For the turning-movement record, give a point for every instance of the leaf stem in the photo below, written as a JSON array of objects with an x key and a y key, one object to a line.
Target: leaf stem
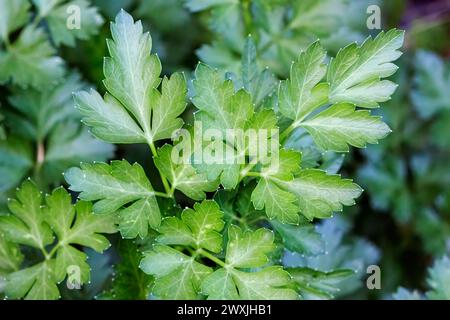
[
  {"x": 206, "y": 254},
  {"x": 53, "y": 251},
  {"x": 169, "y": 191},
  {"x": 162, "y": 194},
  {"x": 246, "y": 170},
  {"x": 40, "y": 159},
  {"x": 253, "y": 174},
  {"x": 285, "y": 134}
]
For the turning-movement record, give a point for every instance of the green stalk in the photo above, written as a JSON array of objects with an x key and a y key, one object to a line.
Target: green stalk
[
  {"x": 206, "y": 254},
  {"x": 167, "y": 188}
]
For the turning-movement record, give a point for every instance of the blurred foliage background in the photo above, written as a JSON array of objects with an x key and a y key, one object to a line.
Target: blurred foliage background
[{"x": 402, "y": 221}]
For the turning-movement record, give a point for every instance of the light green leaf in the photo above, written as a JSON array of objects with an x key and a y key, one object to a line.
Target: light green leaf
[
  {"x": 26, "y": 225},
  {"x": 319, "y": 194},
  {"x": 183, "y": 177},
  {"x": 248, "y": 249},
  {"x": 263, "y": 119},
  {"x": 13, "y": 15},
  {"x": 279, "y": 203},
  {"x": 438, "y": 279},
  {"x": 220, "y": 107},
  {"x": 219, "y": 161},
  {"x": 34, "y": 283},
  {"x": 340, "y": 125},
  {"x": 131, "y": 73},
  {"x": 114, "y": 186},
  {"x": 220, "y": 286},
  {"x": 354, "y": 75},
  {"x": 318, "y": 285},
  {"x": 198, "y": 227},
  {"x": 107, "y": 118},
  {"x": 34, "y": 223},
  {"x": 271, "y": 283},
  {"x": 30, "y": 61},
  {"x": 167, "y": 106},
  {"x": 302, "y": 93},
  {"x": 138, "y": 112},
  {"x": 10, "y": 256},
  {"x": 177, "y": 275},
  {"x": 84, "y": 228}
]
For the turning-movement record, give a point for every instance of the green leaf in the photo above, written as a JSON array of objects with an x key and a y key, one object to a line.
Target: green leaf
[
  {"x": 340, "y": 125},
  {"x": 38, "y": 112},
  {"x": 302, "y": 93},
  {"x": 114, "y": 186},
  {"x": 319, "y": 194},
  {"x": 303, "y": 238},
  {"x": 431, "y": 83},
  {"x": 178, "y": 276},
  {"x": 26, "y": 225},
  {"x": 220, "y": 107},
  {"x": 13, "y": 15},
  {"x": 198, "y": 227},
  {"x": 34, "y": 224},
  {"x": 168, "y": 105},
  {"x": 219, "y": 161},
  {"x": 84, "y": 228},
  {"x": 220, "y": 286},
  {"x": 268, "y": 284},
  {"x": 315, "y": 285},
  {"x": 279, "y": 203},
  {"x": 438, "y": 279},
  {"x": 258, "y": 84},
  {"x": 183, "y": 177},
  {"x": 107, "y": 118},
  {"x": 30, "y": 61},
  {"x": 34, "y": 283},
  {"x": 10, "y": 256},
  {"x": 58, "y": 21},
  {"x": 354, "y": 75},
  {"x": 385, "y": 179},
  {"x": 16, "y": 159},
  {"x": 248, "y": 250},
  {"x": 138, "y": 112},
  {"x": 68, "y": 145},
  {"x": 342, "y": 251},
  {"x": 49, "y": 119},
  {"x": 131, "y": 73}
]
